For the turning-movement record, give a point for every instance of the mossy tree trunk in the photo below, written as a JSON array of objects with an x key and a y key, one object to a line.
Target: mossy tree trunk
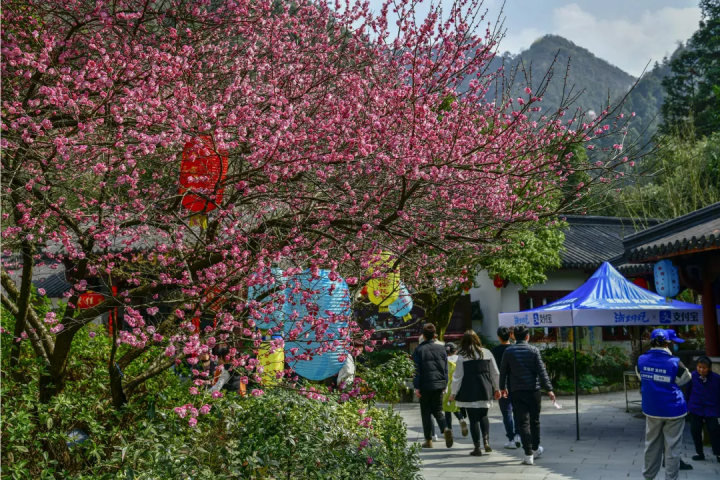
[{"x": 439, "y": 309}]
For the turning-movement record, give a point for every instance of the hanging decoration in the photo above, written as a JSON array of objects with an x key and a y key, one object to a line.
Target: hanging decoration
[
  {"x": 467, "y": 285},
  {"x": 667, "y": 280},
  {"x": 280, "y": 312},
  {"x": 641, "y": 282},
  {"x": 498, "y": 282},
  {"x": 384, "y": 290},
  {"x": 318, "y": 297},
  {"x": 271, "y": 362},
  {"x": 402, "y": 306},
  {"x": 202, "y": 173}
]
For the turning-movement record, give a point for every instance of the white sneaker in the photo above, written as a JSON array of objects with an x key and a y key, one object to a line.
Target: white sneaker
[
  {"x": 527, "y": 460},
  {"x": 538, "y": 452},
  {"x": 518, "y": 441},
  {"x": 435, "y": 438},
  {"x": 510, "y": 445}
]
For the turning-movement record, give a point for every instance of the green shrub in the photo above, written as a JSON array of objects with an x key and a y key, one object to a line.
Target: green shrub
[
  {"x": 278, "y": 435},
  {"x": 387, "y": 380},
  {"x": 559, "y": 363},
  {"x": 610, "y": 363}
]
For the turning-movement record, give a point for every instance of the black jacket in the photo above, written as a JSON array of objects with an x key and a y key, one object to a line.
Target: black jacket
[
  {"x": 522, "y": 365},
  {"x": 431, "y": 372},
  {"x": 476, "y": 382}
]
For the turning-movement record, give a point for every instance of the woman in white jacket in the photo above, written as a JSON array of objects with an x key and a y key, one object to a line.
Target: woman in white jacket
[{"x": 475, "y": 383}]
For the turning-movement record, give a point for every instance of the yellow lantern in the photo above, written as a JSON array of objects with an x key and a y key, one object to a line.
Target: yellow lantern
[
  {"x": 387, "y": 286},
  {"x": 271, "y": 362}
]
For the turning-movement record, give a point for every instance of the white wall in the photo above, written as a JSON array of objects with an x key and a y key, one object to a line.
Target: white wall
[{"x": 494, "y": 301}]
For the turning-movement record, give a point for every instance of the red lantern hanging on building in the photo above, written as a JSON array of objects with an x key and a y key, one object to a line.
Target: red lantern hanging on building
[
  {"x": 202, "y": 175},
  {"x": 641, "y": 282},
  {"x": 498, "y": 282}
]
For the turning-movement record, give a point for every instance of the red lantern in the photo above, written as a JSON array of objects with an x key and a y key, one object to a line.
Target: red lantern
[
  {"x": 202, "y": 173},
  {"x": 641, "y": 282},
  {"x": 90, "y": 300},
  {"x": 498, "y": 282},
  {"x": 364, "y": 292}
]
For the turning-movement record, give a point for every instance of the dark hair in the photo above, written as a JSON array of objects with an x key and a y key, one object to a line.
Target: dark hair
[
  {"x": 470, "y": 345},
  {"x": 221, "y": 351},
  {"x": 428, "y": 331},
  {"x": 705, "y": 361},
  {"x": 659, "y": 342},
  {"x": 521, "y": 332},
  {"x": 503, "y": 334},
  {"x": 450, "y": 348}
]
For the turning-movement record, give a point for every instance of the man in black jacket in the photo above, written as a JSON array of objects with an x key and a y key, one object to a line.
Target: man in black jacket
[
  {"x": 430, "y": 382},
  {"x": 523, "y": 366}
]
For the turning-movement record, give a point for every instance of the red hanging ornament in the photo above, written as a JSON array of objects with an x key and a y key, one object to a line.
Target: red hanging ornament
[
  {"x": 202, "y": 175},
  {"x": 641, "y": 282},
  {"x": 364, "y": 291},
  {"x": 498, "y": 282}
]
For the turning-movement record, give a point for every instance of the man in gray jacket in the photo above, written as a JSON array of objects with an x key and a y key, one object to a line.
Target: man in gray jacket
[{"x": 522, "y": 366}]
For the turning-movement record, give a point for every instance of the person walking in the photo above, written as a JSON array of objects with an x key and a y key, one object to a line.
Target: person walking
[
  {"x": 503, "y": 334},
  {"x": 661, "y": 375},
  {"x": 450, "y": 407},
  {"x": 703, "y": 397},
  {"x": 474, "y": 385},
  {"x": 430, "y": 382},
  {"x": 522, "y": 367}
]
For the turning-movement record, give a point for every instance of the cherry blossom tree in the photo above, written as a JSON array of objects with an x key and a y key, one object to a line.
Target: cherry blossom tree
[{"x": 347, "y": 134}]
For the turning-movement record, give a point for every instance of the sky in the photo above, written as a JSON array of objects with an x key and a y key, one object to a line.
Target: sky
[{"x": 626, "y": 33}]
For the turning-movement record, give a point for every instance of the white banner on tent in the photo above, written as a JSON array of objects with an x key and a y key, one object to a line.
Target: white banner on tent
[
  {"x": 630, "y": 317},
  {"x": 558, "y": 318}
]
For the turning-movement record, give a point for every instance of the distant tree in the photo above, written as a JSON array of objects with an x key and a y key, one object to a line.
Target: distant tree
[{"x": 692, "y": 91}]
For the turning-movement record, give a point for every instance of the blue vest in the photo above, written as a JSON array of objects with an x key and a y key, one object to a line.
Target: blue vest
[{"x": 661, "y": 397}]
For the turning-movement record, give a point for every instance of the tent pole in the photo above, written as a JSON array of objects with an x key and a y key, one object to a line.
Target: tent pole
[{"x": 577, "y": 410}]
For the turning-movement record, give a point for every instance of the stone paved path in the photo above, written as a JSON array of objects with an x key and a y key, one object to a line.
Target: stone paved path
[{"x": 611, "y": 446}]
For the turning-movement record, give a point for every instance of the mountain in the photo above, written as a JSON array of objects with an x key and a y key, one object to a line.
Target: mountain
[{"x": 592, "y": 77}]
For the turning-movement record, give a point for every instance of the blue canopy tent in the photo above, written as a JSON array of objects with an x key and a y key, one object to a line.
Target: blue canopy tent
[{"x": 606, "y": 299}]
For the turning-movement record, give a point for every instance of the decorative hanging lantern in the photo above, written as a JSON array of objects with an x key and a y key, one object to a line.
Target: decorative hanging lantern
[
  {"x": 667, "y": 280},
  {"x": 271, "y": 362},
  {"x": 363, "y": 292},
  {"x": 279, "y": 298},
  {"x": 402, "y": 306},
  {"x": 327, "y": 298},
  {"x": 641, "y": 282},
  {"x": 384, "y": 290},
  {"x": 202, "y": 175},
  {"x": 498, "y": 282}
]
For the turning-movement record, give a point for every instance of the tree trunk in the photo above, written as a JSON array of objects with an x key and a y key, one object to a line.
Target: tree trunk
[
  {"x": 635, "y": 344},
  {"x": 438, "y": 310}
]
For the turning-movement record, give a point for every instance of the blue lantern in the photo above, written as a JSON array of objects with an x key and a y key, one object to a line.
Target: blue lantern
[
  {"x": 403, "y": 304},
  {"x": 310, "y": 298},
  {"x": 278, "y": 316},
  {"x": 667, "y": 280}
]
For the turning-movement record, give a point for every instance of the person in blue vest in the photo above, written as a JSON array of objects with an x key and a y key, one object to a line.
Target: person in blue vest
[{"x": 661, "y": 375}]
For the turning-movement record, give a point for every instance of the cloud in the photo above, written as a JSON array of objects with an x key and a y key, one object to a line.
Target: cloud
[{"x": 629, "y": 43}]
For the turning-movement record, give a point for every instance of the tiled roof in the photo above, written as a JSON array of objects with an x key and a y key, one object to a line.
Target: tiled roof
[
  {"x": 592, "y": 240},
  {"x": 695, "y": 232},
  {"x": 54, "y": 285}
]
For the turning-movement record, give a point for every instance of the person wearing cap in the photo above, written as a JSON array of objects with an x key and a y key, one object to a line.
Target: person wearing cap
[
  {"x": 703, "y": 395},
  {"x": 450, "y": 407},
  {"x": 661, "y": 376},
  {"x": 523, "y": 368}
]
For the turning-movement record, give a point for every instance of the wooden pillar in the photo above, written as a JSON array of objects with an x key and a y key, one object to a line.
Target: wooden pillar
[{"x": 712, "y": 342}]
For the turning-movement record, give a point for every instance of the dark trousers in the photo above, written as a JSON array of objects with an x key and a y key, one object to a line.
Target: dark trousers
[
  {"x": 526, "y": 404},
  {"x": 507, "y": 415},
  {"x": 478, "y": 421},
  {"x": 431, "y": 406},
  {"x": 696, "y": 425},
  {"x": 460, "y": 415}
]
